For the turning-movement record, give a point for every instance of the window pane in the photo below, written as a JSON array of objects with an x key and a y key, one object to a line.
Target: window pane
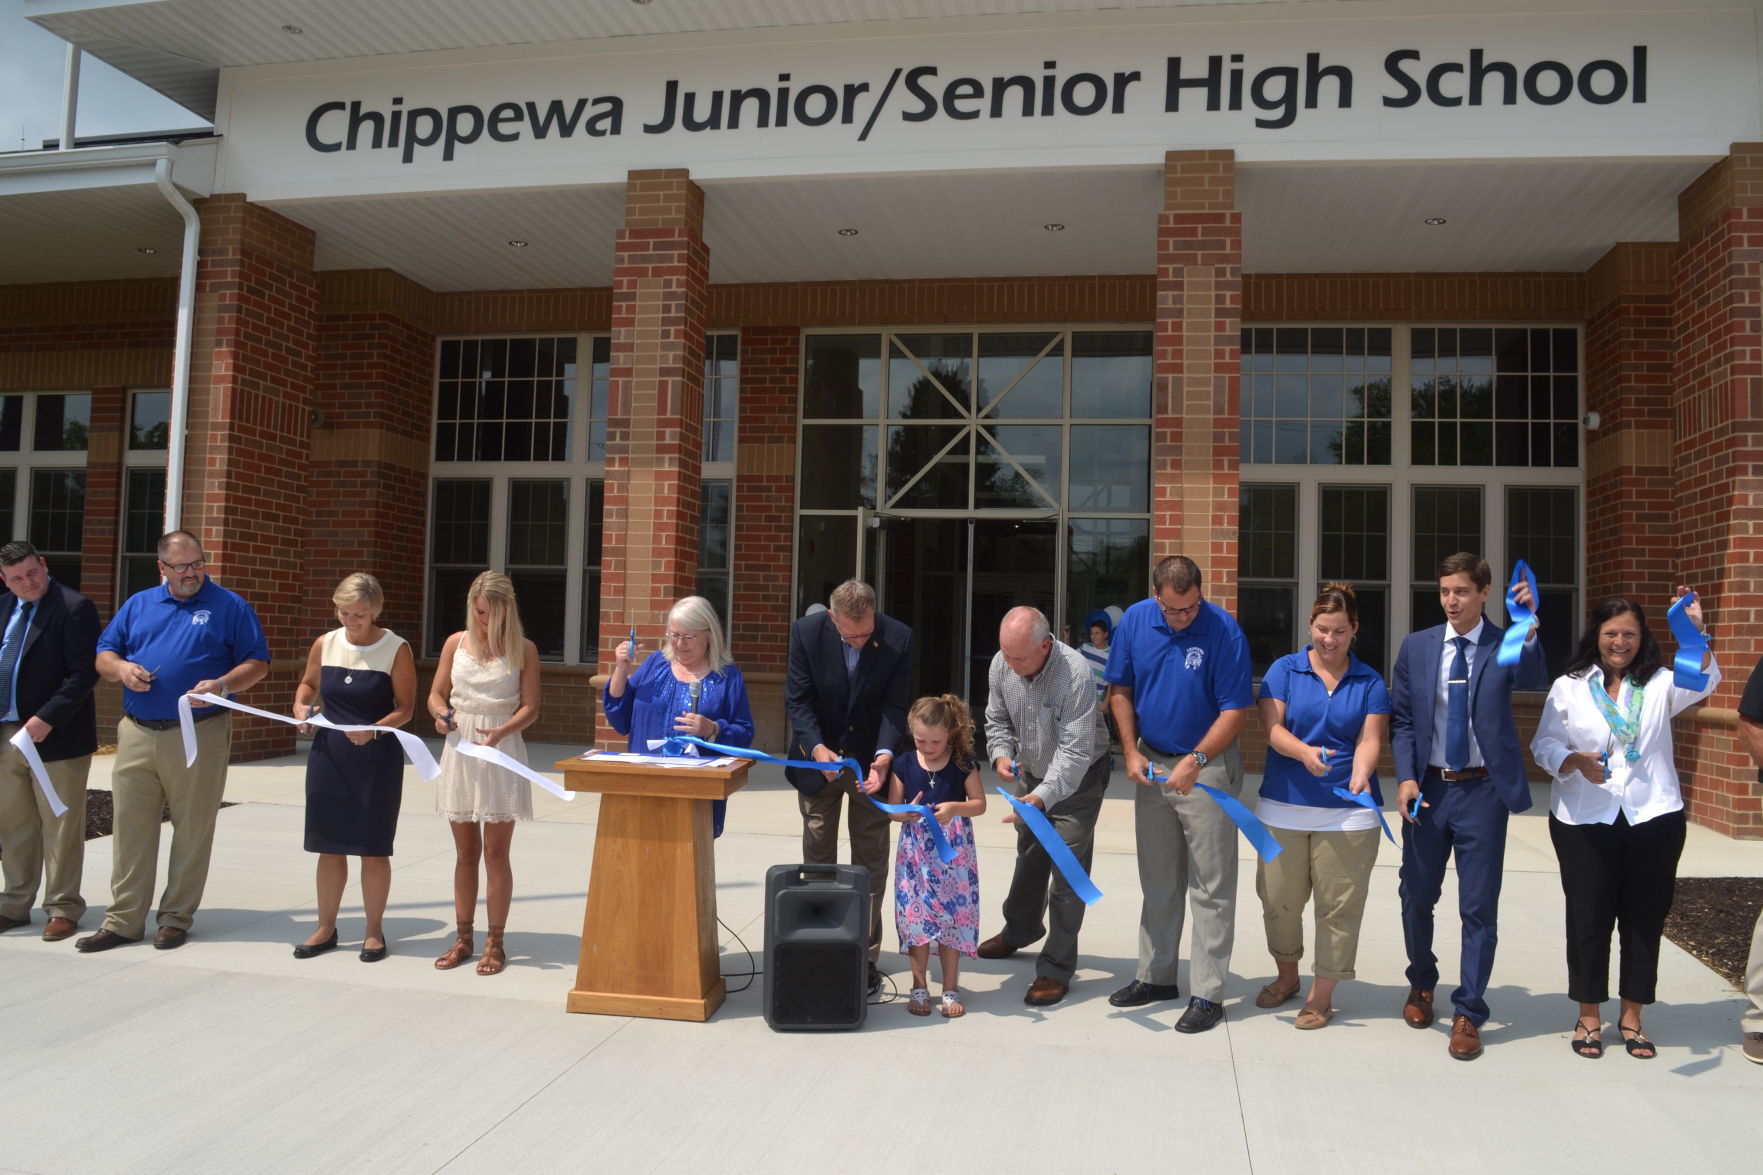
[
  {"x": 8, "y": 496},
  {"x": 1033, "y": 448},
  {"x": 1514, "y": 390},
  {"x": 838, "y": 466},
  {"x": 713, "y": 586},
  {"x": 62, "y": 422},
  {"x": 930, "y": 377},
  {"x": 1326, "y": 400},
  {"x": 1110, "y": 468},
  {"x": 461, "y": 523},
  {"x": 540, "y": 595},
  {"x": 721, "y": 393},
  {"x": 940, "y": 453},
  {"x": 843, "y": 377},
  {"x": 515, "y": 405},
  {"x": 1108, "y": 563},
  {"x": 594, "y": 525},
  {"x": 713, "y": 526},
  {"x": 1354, "y": 536},
  {"x": 1447, "y": 519},
  {"x": 1267, "y": 531},
  {"x": 538, "y": 519},
  {"x": 143, "y": 512},
  {"x": 1542, "y": 528},
  {"x": 826, "y": 556},
  {"x": 149, "y": 420},
  {"x": 58, "y": 512},
  {"x": 11, "y": 422},
  {"x": 1014, "y": 384},
  {"x": 1268, "y": 614},
  {"x": 1111, "y": 374},
  {"x": 1372, "y": 643}
]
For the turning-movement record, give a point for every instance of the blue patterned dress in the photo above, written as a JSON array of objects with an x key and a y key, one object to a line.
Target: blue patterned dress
[{"x": 934, "y": 903}]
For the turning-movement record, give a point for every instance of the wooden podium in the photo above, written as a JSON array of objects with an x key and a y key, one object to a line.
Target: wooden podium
[{"x": 649, "y": 934}]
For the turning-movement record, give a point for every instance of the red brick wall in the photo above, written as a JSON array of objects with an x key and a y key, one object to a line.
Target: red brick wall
[{"x": 1717, "y": 286}]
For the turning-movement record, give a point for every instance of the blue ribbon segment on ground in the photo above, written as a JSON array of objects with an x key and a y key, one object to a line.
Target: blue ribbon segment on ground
[
  {"x": 945, "y": 851},
  {"x": 1692, "y": 646},
  {"x": 1518, "y": 617},
  {"x": 1057, "y": 850}
]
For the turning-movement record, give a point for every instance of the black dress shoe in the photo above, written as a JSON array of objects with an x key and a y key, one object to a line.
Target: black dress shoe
[
  {"x": 1201, "y": 1015},
  {"x": 1138, "y": 993},
  {"x": 374, "y": 954},
  {"x": 318, "y": 948},
  {"x": 102, "y": 941},
  {"x": 13, "y": 923}
]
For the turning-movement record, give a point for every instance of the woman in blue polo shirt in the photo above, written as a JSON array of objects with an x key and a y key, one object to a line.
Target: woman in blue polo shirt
[{"x": 1326, "y": 714}]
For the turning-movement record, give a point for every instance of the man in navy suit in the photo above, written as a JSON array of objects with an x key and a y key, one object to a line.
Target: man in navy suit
[
  {"x": 47, "y": 674},
  {"x": 847, "y": 693},
  {"x": 1457, "y": 753}
]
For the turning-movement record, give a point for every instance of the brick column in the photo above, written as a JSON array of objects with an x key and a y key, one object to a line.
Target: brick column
[
  {"x": 765, "y": 500},
  {"x": 246, "y": 485},
  {"x": 1198, "y": 342},
  {"x": 655, "y": 410},
  {"x": 1717, "y": 287},
  {"x": 1631, "y": 505}
]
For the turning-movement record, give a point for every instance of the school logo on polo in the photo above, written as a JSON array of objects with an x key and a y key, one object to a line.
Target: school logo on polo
[
  {"x": 201, "y": 616},
  {"x": 1196, "y": 655}
]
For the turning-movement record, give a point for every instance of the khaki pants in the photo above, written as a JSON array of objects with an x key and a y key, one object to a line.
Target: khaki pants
[
  {"x": 1753, "y": 1019},
  {"x": 1336, "y": 867},
  {"x": 149, "y": 774},
  {"x": 1188, "y": 858},
  {"x": 35, "y": 844},
  {"x": 869, "y": 827}
]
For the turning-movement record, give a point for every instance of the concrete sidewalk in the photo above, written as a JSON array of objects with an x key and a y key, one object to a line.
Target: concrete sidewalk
[{"x": 231, "y": 1056}]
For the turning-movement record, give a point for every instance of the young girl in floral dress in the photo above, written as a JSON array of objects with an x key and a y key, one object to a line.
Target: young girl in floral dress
[{"x": 934, "y": 902}]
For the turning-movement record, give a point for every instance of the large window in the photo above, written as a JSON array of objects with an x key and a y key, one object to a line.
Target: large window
[
  {"x": 143, "y": 491},
  {"x": 1480, "y": 452},
  {"x": 43, "y": 474},
  {"x": 520, "y": 450}
]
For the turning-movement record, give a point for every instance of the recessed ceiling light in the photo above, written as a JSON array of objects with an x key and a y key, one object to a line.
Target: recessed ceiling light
[
  {"x": 293, "y": 30},
  {"x": 847, "y": 232},
  {"x": 1435, "y": 221},
  {"x": 517, "y": 244},
  {"x": 149, "y": 250},
  {"x": 1054, "y": 227}
]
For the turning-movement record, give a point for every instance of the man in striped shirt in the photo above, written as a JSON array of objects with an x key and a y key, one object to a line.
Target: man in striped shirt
[{"x": 1045, "y": 737}]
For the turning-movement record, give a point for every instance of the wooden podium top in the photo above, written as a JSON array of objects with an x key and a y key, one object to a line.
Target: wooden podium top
[{"x": 611, "y": 777}]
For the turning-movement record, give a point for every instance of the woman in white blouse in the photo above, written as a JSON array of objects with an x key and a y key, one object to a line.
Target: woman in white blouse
[{"x": 1617, "y": 813}]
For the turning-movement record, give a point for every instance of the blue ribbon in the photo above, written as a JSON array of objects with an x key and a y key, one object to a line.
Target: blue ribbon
[
  {"x": 1519, "y": 618},
  {"x": 1057, "y": 850},
  {"x": 1366, "y": 800},
  {"x": 1266, "y": 846},
  {"x": 1686, "y": 667},
  {"x": 945, "y": 851}
]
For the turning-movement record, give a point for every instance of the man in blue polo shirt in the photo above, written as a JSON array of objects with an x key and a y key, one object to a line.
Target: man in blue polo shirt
[
  {"x": 1179, "y": 687},
  {"x": 188, "y": 636}
]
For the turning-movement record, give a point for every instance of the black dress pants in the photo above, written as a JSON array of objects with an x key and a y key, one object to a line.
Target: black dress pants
[{"x": 1619, "y": 876}]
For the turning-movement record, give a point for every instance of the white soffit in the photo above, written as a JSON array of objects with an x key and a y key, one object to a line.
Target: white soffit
[
  {"x": 178, "y": 47},
  {"x": 89, "y": 234}
]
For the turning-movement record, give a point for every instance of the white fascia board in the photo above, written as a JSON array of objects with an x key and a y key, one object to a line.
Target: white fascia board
[{"x": 108, "y": 167}]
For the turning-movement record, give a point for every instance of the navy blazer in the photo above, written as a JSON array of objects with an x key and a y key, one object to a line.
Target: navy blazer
[
  {"x": 1414, "y": 691},
  {"x": 57, "y": 670},
  {"x": 853, "y": 718}
]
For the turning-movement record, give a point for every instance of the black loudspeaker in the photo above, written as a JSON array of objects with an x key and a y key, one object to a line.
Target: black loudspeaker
[{"x": 816, "y": 947}]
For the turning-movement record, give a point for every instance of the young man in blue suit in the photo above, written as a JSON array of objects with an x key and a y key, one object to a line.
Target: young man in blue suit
[{"x": 1457, "y": 753}]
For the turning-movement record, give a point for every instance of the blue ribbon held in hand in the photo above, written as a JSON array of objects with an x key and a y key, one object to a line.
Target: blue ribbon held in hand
[
  {"x": 1056, "y": 849},
  {"x": 1519, "y": 617},
  {"x": 1692, "y": 646},
  {"x": 1265, "y": 845},
  {"x": 1366, "y": 800},
  {"x": 945, "y": 851}
]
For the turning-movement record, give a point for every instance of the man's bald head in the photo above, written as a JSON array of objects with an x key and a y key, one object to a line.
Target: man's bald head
[{"x": 1026, "y": 640}]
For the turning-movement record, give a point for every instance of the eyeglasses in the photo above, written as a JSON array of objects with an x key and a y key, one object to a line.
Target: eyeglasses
[
  {"x": 684, "y": 638},
  {"x": 184, "y": 568},
  {"x": 1178, "y": 613}
]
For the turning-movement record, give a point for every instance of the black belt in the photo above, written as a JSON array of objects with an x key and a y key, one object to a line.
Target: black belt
[
  {"x": 171, "y": 723},
  {"x": 1449, "y": 776}
]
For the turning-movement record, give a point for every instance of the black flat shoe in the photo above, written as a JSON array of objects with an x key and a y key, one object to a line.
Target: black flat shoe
[
  {"x": 307, "y": 952},
  {"x": 374, "y": 954}
]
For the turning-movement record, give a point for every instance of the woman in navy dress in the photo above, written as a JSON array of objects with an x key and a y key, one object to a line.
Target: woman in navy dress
[
  {"x": 356, "y": 675},
  {"x": 654, "y": 701}
]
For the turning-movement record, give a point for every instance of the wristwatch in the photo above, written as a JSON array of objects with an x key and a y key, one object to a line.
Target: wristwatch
[{"x": 1201, "y": 758}]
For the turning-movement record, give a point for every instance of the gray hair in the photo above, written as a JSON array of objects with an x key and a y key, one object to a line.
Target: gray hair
[
  {"x": 1033, "y": 620},
  {"x": 696, "y": 614}
]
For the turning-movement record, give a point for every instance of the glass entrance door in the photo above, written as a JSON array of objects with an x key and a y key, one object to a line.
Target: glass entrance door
[{"x": 952, "y": 579}]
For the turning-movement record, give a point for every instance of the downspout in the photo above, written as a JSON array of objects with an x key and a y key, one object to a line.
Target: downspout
[
  {"x": 70, "y": 97},
  {"x": 180, "y": 362}
]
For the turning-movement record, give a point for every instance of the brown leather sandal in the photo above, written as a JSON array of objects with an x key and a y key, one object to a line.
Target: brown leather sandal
[
  {"x": 460, "y": 951},
  {"x": 494, "y": 957}
]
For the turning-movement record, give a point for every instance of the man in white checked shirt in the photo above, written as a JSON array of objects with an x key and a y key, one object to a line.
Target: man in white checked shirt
[{"x": 1045, "y": 736}]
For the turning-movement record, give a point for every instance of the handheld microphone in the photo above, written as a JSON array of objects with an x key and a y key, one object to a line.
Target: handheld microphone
[{"x": 697, "y": 688}]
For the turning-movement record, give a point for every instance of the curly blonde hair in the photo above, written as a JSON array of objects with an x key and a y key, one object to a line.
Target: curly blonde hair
[{"x": 950, "y": 713}]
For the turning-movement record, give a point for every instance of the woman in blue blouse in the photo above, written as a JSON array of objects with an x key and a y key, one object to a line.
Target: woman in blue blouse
[
  {"x": 1326, "y": 714},
  {"x": 692, "y": 688}
]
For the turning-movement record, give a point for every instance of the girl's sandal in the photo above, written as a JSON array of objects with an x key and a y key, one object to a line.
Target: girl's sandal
[
  {"x": 919, "y": 1002},
  {"x": 494, "y": 957},
  {"x": 952, "y": 1003},
  {"x": 1638, "y": 1046},
  {"x": 1585, "y": 1040},
  {"x": 460, "y": 951}
]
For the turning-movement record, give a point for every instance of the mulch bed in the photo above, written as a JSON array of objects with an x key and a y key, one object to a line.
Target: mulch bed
[{"x": 1712, "y": 918}]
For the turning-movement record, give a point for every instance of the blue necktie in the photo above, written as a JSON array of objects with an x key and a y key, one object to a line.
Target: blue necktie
[
  {"x": 1457, "y": 708},
  {"x": 9, "y": 655}
]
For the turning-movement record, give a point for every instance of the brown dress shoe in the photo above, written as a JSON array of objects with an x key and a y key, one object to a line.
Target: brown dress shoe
[
  {"x": 59, "y": 928},
  {"x": 1465, "y": 1039},
  {"x": 995, "y": 948},
  {"x": 1417, "y": 1012},
  {"x": 170, "y": 938},
  {"x": 13, "y": 923},
  {"x": 1045, "y": 991}
]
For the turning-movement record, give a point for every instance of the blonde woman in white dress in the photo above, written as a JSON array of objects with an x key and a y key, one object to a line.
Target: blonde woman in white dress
[{"x": 487, "y": 690}]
